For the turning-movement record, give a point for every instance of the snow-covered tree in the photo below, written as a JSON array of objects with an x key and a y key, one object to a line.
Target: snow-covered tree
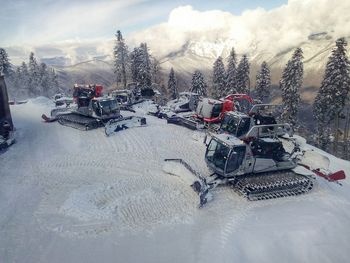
[
  {"x": 242, "y": 76},
  {"x": 34, "y": 75},
  {"x": 24, "y": 78},
  {"x": 231, "y": 73},
  {"x": 172, "y": 85},
  {"x": 155, "y": 71},
  {"x": 120, "y": 59},
  {"x": 198, "y": 83},
  {"x": 219, "y": 78},
  {"x": 333, "y": 93},
  {"x": 53, "y": 79},
  {"x": 135, "y": 59},
  {"x": 5, "y": 65},
  {"x": 44, "y": 80},
  {"x": 290, "y": 84},
  {"x": 141, "y": 66},
  {"x": 145, "y": 76},
  {"x": 263, "y": 82}
]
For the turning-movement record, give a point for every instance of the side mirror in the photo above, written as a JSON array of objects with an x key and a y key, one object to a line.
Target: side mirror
[{"x": 205, "y": 140}]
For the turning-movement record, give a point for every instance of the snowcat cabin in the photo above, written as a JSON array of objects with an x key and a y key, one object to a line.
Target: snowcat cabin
[
  {"x": 225, "y": 155},
  {"x": 211, "y": 110},
  {"x": 236, "y": 124}
]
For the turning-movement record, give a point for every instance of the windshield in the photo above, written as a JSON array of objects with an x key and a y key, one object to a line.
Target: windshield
[
  {"x": 216, "y": 110},
  {"x": 217, "y": 154},
  {"x": 107, "y": 107},
  {"x": 230, "y": 124},
  {"x": 110, "y": 104}
]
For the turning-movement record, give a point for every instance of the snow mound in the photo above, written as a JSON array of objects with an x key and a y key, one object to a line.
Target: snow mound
[
  {"x": 145, "y": 107},
  {"x": 40, "y": 101}
]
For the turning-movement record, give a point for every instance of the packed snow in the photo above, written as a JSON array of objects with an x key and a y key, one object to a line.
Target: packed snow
[{"x": 73, "y": 196}]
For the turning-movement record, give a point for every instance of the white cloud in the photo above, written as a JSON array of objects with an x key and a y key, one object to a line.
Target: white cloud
[{"x": 273, "y": 31}]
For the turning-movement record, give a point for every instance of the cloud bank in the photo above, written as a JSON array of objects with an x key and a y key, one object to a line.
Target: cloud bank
[{"x": 272, "y": 31}]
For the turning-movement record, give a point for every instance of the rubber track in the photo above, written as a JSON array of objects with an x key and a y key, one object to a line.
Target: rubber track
[
  {"x": 79, "y": 122},
  {"x": 275, "y": 185}
]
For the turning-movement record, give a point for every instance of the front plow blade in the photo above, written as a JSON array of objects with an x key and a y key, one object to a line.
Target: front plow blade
[
  {"x": 198, "y": 183},
  {"x": 115, "y": 125}
]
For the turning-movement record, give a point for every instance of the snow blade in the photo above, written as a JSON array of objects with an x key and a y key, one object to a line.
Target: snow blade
[
  {"x": 185, "y": 122},
  {"x": 197, "y": 182},
  {"x": 48, "y": 119},
  {"x": 116, "y": 125}
]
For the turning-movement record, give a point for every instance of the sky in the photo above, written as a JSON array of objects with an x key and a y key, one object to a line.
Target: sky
[
  {"x": 84, "y": 29},
  {"x": 37, "y": 22}
]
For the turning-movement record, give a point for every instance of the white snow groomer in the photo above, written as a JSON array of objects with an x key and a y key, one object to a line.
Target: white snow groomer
[
  {"x": 6, "y": 125},
  {"x": 257, "y": 167}
]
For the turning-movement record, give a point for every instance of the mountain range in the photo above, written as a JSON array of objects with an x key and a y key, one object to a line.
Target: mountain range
[{"x": 201, "y": 55}]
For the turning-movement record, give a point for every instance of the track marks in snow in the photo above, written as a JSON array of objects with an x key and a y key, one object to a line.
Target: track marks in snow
[{"x": 133, "y": 204}]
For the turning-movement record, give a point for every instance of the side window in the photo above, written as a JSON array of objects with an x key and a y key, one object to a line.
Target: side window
[
  {"x": 236, "y": 159},
  {"x": 211, "y": 149}
]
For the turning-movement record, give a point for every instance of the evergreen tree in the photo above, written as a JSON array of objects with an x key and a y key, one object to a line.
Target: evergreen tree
[
  {"x": 17, "y": 83},
  {"x": 155, "y": 72},
  {"x": 333, "y": 93},
  {"x": 24, "y": 79},
  {"x": 242, "y": 76},
  {"x": 44, "y": 80},
  {"x": 5, "y": 65},
  {"x": 136, "y": 60},
  {"x": 290, "y": 84},
  {"x": 145, "y": 76},
  {"x": 141, "y": 66},
  {"x": 231, "y": 73},
  {"x": 199, "y": 85},
  {"x": 172, "y": 85},
  {"x": 219, "y": 78},
  {"x": 263, "y": 82},
  {"x": 120, "y": 59},
  {"x": 53, "y": 80},
  {"x": 34, "y": 75}
]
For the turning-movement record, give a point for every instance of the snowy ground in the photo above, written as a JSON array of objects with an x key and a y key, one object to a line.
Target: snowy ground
[{"x": 73, "y": 196}]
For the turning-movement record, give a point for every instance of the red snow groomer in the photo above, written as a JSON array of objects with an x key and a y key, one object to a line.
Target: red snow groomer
[
  {"x": 91, "y": 109},
  {"x": 211, "y": 111}
]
